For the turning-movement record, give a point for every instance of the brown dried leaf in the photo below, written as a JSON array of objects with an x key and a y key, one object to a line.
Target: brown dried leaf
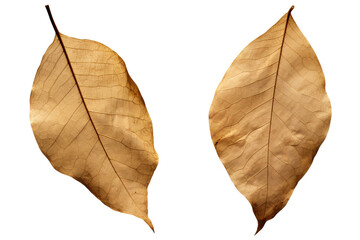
[
  {"x": 269, "y": 116},
  {"x": 91, "y": 122}
]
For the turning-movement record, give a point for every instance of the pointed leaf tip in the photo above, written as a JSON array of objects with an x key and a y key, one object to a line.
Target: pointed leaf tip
[
  {"x": 149, "y": 223},
  {"x": 261, "y": 224}
]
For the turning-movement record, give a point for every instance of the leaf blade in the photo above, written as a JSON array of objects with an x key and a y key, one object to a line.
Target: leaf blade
[
  {"x": 269, "y": 116},
  {"x": 63, "y": 120}
]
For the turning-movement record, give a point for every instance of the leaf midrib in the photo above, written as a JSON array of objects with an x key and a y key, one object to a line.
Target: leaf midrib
[
  {"x": 87, "y": 110},
  {"x": 272, "y": 108}
]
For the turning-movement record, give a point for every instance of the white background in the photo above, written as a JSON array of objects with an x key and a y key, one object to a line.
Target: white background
[{"x": 177, "y": 52}]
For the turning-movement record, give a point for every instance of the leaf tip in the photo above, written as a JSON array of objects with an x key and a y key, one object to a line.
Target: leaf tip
[
  {"x": 261, "y": 224},
  {"x": 149, "y": 223}
]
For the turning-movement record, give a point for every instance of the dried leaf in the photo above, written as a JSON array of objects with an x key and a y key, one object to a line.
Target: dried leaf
[
  {"x": 269, "y": 116},
  {"x": 91, "y": 122}
]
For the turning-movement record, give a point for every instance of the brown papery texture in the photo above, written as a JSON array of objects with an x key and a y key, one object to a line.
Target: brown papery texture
[
  {"x": 269, "y": 116},
  {"x": 91, "y": 122}
]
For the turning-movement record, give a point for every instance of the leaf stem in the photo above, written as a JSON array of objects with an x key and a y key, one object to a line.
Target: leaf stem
[
  {"x": 291, "y": 8},
  {"x": 52, "y": 21}
]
